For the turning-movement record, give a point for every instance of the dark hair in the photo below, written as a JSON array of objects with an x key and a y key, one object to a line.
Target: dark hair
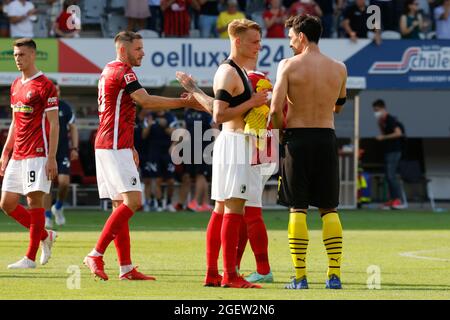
[
  {"x": 407, "y": 4},
  {"x": 310, "y": 25},
  {"x": 126, "y": 36},
  {"x": 68, "y": 3},
  {"x": 379, "y": 103},
  {"x": 25, "y": 42}
]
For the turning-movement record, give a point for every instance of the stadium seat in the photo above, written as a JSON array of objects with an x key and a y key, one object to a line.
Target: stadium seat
[
  {"x": 258, "y": 17},
  {"x": 77, "y": 172},
  {"x": 389, "y": 35},
  {"x": 431, "y": 35},
  {"x": 412, "y": 175},
  {"x": 40, "y": 27},
  {"x": 147, "y": 34},
  {"x": 113, "y": 23},
  {"x": 92, "y": 10},
  {"x": 115, "y": 4},
  {"x": 194, "y": 33}
]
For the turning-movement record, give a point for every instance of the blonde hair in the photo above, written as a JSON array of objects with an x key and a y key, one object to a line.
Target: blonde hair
[
  {"x": 127, "y": 36},
  {"x": 239, "y": 26}
]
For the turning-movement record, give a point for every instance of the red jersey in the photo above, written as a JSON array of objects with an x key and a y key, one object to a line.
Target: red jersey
[
  {"x": 299, "y": 8},
  {"x": 177, "y": 19},
  {"x": 255, "y": 77},
  {"x": 116, "y": 109},
  {"x": 30, "y": 100},
  {"x": 276, "y": 30},
  {"x": 62, "y": 22}
]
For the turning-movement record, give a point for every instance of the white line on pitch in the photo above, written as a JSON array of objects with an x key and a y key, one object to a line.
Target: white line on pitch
[{"x": 418, "y": 254}]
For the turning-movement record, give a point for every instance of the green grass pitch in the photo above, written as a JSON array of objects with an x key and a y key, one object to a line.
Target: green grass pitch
[{"x": 411, "y": 250}]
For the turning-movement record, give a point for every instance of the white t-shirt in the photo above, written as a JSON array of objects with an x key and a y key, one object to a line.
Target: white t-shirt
[
  {"x": 25, "y": 27},
  {"x": 442, "y": 26}
]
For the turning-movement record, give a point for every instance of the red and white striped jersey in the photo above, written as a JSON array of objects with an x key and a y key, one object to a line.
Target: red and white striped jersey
[
  {"x": 30, "y": 100},
  {"x": 116, "y": 109}
]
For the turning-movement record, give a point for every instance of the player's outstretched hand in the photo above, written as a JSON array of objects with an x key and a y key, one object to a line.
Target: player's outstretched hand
[
  {"x": 51, "y": 169},
  {"x": 192, "y": 102},
  {"x": 186, "y": 81},
  {"x": 260, "y": 98}
]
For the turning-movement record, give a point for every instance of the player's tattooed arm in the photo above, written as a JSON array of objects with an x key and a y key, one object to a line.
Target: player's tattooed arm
[{"x": 190, "y": 85}]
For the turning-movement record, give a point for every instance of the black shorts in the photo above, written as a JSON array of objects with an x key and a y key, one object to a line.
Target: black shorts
[
  {"x": 158, "y": 165},
  {"x": 198, "y": 169},
  {"x": 309, "y": 169},
  {"x": 63, "y": 164}
]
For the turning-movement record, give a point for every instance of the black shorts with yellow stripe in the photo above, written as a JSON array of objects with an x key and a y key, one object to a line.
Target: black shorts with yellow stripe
[{"x": 309, "y": 169}]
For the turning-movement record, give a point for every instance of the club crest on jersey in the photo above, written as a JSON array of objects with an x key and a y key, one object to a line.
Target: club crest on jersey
[
  {"x": 130, "y": 77},
  {"x": 29, "y": 95}
]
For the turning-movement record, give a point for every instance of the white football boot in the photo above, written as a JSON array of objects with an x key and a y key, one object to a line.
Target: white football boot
[
  {"x": 47, "y": 245},
  {"x": 59, "y": 216},
  {"x": 23, "y": 263}
]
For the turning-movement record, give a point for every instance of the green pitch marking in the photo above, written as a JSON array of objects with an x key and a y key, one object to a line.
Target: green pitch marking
[{"x": 171, "y": 246}]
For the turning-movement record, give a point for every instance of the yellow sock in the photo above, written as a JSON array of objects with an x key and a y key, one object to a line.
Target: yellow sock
[
  {"x": 332, "y": 239},
  {"x": 298, "y": 242}
]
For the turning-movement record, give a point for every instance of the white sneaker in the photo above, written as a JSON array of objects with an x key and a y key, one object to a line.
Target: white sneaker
[
  {"x": 48, "y": 223},
  {"x": 47, "y": 245},
  {"x": 146, "y": 208},
  {"x": 171, "y": 208},
  {"x": 59, "y": 216},
  {"x": 23, "y": 263}
]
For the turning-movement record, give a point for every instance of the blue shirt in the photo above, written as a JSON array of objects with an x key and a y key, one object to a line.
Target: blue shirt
[
  {"x": 158, "y": 140},
  {"x": 203, "y": 120},
  {"x": 66, "y": 117}
]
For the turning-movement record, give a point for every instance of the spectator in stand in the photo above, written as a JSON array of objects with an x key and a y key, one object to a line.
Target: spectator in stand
[
  {"x": 411, "y": 22},
  {"x": 137, "y": 12},
  {"x": 274, "y": 18},
  {"x": 53, "y": 11},
  {"x": 209, "y": 11},
  {"x": 389, "y": 17},
  {"x": 198, "y": 170},
  {"x": 141, "y": 132},
  {"x": 392, "y": 138},
  {"x": 425, "y": 7},
  {"x": 355, "y": 22},
  {"x": 155, "y": 21},
  {"x": 177, "y": 20},
  {"x": 67, "y": 24},
  {"x": 305, "y": 7},
  {"x": 225, "y": 17},
  {"x": 254, "y": 6},
  {"x": 442, "y": 19},
  {"x": 326, "y": 6},
  {"x": 4, "y": 22},
  {"x": 160, "y": 165},
  {"x": 21, "y": 15}
]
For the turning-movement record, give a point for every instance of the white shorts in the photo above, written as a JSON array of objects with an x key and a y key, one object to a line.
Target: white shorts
[
  {"x": 230, "y": 167},
  {"x": 116, "y": 173},
  {"x": 25, "y": 176},
  {"x": 259, "y": 174}
]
